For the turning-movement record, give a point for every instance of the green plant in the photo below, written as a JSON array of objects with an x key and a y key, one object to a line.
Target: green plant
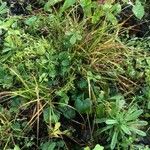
[
  {"x": 97, "y": 147},
  {"x": 122, "y": 123},
  {"x": 60, "y": 68},
  {"x": 3, "y": 9}
]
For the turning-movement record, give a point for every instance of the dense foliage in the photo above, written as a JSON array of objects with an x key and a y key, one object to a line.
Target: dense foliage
[{"x": 74, "y": 74}]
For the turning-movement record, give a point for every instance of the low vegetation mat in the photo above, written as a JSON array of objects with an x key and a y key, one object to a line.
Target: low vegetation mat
[{"x": 74, "y": 75}]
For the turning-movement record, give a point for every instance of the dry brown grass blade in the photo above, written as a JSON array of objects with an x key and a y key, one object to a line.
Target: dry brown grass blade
[
  {"x": 5, "y": 93},
  {"x": 35, "y": 115}
]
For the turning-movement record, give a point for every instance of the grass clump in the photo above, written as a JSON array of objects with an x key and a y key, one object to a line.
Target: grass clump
[{"x": 68, "y": 81}]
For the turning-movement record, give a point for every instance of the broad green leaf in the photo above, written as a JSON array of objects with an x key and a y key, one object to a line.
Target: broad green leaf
[
  {"x": 64, "y": 99},
  {"x": 78, "y": 36},
  {"x": 48, "y": 146},
  {"x": 101, "y": 120},
  {"x": 73, "y": 39},
  {"x": 138, "y": 9},
  {"x": 110, "y": 17},
  {"x": 98, "y": 147},
  {"x": 68, "y": 112},
  {"x": 55, "y": 132},
  {"x": 107, "y": 7},
  {"x": 131, "y": 110},
  {"x": 87, "y": 148},
  {"x": 16, "y": 127},
  {"x": 100, "y": 110},
  {"x": 86, "y": 5},
  {"x": 7, "y": 24},
  {"x": 96, "y": 16},
  {"x": 111, "y": 121},
  {"x": 74, "y": 36},
  {"x": 114, "y": 140},
  {"x": 3, "y": 8},
  {"x": 40, "y": 49},
  {"x": 6, "y": 80},
  {"x": 16, "y": 147},
  {"x": 52, "y": 146},
  {"x": 50, "y": 116},
  {"x": 67, "y": 4},
  {"x": 82, "y": 84},
  {"x": 149, "y": 105},
  {"x": 57, "y": 126},
  {"x": 116, "y": 8},
  {"x": 50, "y": 3},
  {"x": 30, "y": 21},
  {"x": 139, "y": 123},
  {"x": 125, "y": 129},
  {"x": 137, "y": 131},
  {"x": 134, "y": 115},
  {"x": 121, "y": 104},
  {"x": 83, "y": 106}
]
